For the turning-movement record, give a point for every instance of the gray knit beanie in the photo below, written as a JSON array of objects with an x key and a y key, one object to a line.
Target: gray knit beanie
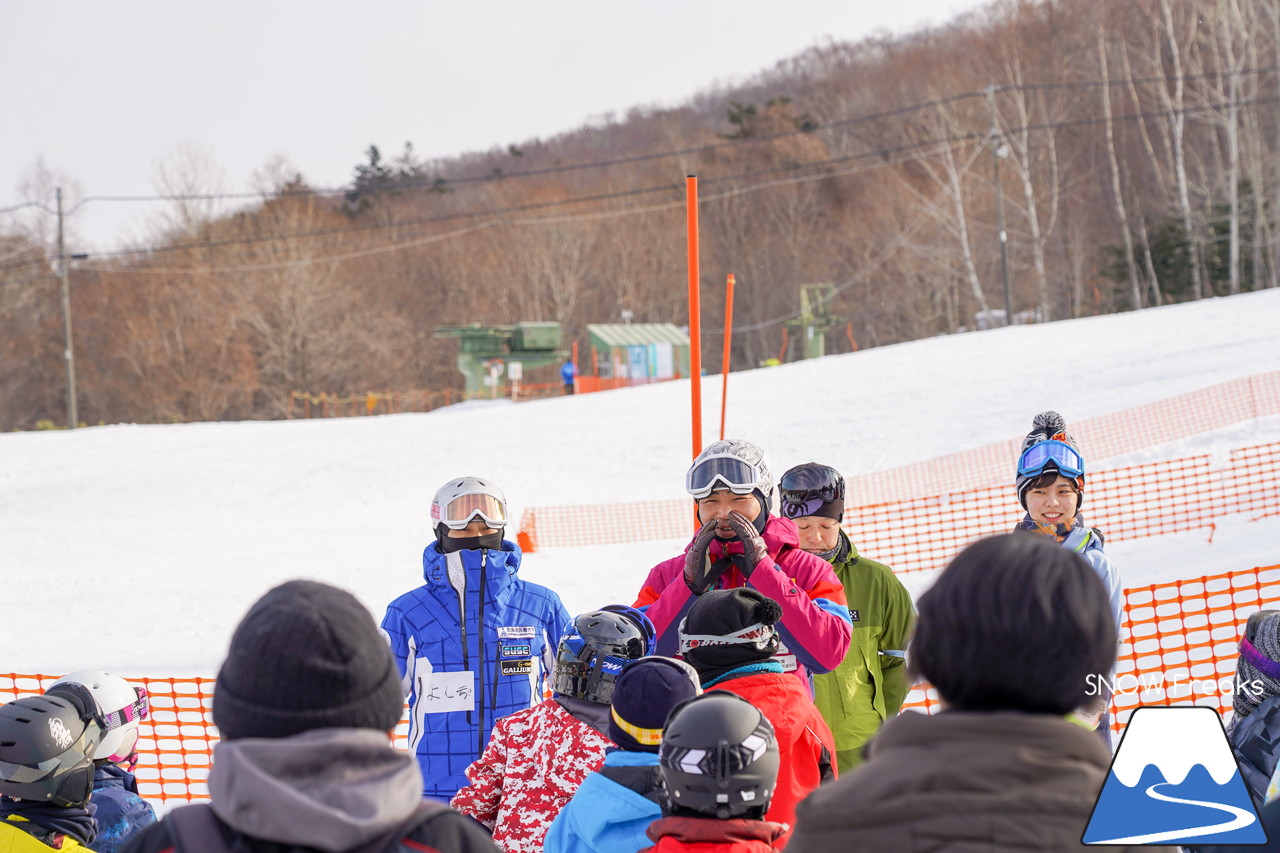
[
  {"x": 1046, "y": 426},
  {"x": 1258, "y": 669}
]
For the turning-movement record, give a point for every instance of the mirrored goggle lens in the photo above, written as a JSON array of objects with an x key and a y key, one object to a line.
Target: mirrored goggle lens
[
  {"x": 1064, "y": 456},
  {"x": 795, "y": 492},
  {"x": 799, "y": 506},
  {"x": 723, "y": 472},
  {"x": 462, "y": 509}
]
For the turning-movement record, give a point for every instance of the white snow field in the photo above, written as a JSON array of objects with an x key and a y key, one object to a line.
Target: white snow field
[{"x": 137, "y": 548}]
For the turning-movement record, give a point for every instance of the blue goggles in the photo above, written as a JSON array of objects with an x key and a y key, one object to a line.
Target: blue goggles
[{"x": 1063, "y": 456}]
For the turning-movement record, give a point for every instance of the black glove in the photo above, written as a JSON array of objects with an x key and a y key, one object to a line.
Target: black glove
[
  {"x": 698, "y": 572},
  {"x": 753, "y": 548}
]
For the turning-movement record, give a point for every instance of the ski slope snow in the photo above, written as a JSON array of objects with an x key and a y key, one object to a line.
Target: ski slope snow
[{"x": 136, "y": 548}]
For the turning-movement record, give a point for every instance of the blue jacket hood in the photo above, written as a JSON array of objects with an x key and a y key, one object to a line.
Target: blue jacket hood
[{"x": 499, "y": 565}]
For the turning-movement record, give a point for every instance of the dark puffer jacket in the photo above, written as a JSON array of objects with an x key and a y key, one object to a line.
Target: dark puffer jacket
[
  {"x": 1255, "y": 742},
  {"x": 961, "y": 781}
]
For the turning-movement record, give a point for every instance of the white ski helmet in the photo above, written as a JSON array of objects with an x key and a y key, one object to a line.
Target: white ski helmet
[
  {"x": 734, "y": 464},
  {"x": 459, "y": 501},
  {"x": 121, "y": 706}
]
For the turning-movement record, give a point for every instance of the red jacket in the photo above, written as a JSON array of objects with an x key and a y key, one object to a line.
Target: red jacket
[
  {"x": 535, "y": 761},
  {"x": 806, "y": 747},
  {"x": 815, "y": 624},
  {"x": 708, "y": 835}
]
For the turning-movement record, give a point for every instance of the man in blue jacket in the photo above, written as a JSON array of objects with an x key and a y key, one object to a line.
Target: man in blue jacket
[{"x": 472, "y": 644}]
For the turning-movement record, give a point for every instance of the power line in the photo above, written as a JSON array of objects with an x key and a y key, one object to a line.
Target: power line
[
  {"x": 886, "y": 153},
  {"x": 427, "y": 182}
]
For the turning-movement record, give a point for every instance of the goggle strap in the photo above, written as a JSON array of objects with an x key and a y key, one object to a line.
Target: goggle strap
[
  {"x": 139, "y": 709},
  {"x": 754, "y": 635}
]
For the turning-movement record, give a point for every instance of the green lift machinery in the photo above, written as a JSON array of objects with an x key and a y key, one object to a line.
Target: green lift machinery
[
  {"x": 488, "y": 354},
  {"x": 815, "y": 319}
]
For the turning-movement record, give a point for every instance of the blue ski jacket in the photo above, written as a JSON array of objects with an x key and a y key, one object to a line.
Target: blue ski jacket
[
  {"x": 605, "y": 816},
  {"x": 120, "y": 811},
  {"x": 472, "y": 645}
]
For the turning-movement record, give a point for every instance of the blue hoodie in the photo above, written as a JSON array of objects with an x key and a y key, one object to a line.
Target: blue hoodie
[
  {"x": 472, "y": 645},
  {"x": 604, "y": 816}
]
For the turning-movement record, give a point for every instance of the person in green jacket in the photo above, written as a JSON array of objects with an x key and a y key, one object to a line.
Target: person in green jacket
[{"x": 871, "y": 684}]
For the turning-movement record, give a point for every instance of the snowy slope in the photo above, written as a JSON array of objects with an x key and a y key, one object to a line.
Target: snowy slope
[{"x": 174, "y": 530}]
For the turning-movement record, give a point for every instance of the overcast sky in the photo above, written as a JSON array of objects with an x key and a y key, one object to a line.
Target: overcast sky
[{"x": 104, "y": 91}]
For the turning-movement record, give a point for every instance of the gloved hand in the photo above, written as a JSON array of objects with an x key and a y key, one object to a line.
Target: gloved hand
[
  {"x": 698, "y": 574},
  {"x": 753, "y": 548}
]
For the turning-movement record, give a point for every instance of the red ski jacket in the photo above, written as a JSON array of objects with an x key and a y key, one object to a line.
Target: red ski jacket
[{"x": 806, "y": 747}]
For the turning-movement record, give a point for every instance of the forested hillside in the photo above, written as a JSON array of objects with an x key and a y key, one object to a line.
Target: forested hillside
[{"x": 1130, "y": 148}]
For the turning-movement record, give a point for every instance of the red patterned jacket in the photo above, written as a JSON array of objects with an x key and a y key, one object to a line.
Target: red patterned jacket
[{"x": 535, "y": 761}]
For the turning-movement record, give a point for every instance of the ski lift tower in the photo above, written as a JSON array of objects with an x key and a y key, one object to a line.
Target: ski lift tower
[
  {"x": 815, "y": 318},
  {"x": 485, "y": 353}
]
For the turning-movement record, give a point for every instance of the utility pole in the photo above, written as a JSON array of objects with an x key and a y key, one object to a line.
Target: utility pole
[
  {"x": 998, "y": 152},
  {"x": 73, "y": 417}
]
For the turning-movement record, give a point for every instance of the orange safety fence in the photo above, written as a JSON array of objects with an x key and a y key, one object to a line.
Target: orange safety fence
[
  {"x": 175, "y": 743},
  {"x": 1179, "y": 643},
  {"x": 924, "y": 533},
  {"x": 303, "y": 404},
  {"x": 968, "y": 476}
]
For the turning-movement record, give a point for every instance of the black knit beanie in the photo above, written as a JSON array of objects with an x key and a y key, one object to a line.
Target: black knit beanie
[
  {"x": 306, "y": 656},
  {"x": 724, "y": 612},
  {"x": 643, "y": 696}
]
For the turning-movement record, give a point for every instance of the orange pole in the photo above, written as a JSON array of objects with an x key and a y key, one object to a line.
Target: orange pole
[
  {"x": 728, "y": 336},
  {"x": 695, "y": 313},
  {"x": 782, "y": 353},
  {"x": 575, "y": 367}
]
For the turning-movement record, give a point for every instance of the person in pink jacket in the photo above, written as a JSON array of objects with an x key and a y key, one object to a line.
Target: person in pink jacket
[{"x": 742, "y": 545}]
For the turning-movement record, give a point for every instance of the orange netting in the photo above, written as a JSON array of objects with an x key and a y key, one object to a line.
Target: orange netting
[
  {"x": 1179, "y": 644},
  {"x": 917, "y": 516},
  {"x": 924, "y": 533}
]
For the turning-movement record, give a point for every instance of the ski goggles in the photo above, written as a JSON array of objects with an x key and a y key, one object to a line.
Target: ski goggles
[
  {"x": 460, "y": 511},
  {"x": 138, "y": 709},
  {"x": 757, "y": 636},
  {"x": 1038, "y": 456},
  {"x": 797, "y": 503},
  {"x": 723, "y": 471}
]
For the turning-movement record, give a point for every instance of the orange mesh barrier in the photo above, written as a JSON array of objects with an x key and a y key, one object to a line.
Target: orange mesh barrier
[
  {"x": 1126, "y": 503},
  {"x": 924, "y": 533},
  {"x": 965, "y": 481},
  {"x": 175, "y": 744},
  {"x": 1178, "y": 642}
]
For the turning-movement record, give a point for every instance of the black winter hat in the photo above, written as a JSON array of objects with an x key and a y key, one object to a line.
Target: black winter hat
[
  {"x": 306, "y": 656},
  {"x": 720, "y": 614},
  {"x": 643, "y": 696}
]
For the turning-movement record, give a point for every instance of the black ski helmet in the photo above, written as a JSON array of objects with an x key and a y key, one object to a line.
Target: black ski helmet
[
  {"x": 46, "y": 747},
  {"x": 719, "y": 757},
  {"x": 811, "y": 489},
  {"x": 596, "y": 646}
]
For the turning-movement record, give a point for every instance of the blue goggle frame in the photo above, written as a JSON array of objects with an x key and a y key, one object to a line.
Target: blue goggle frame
[{"x": 1063, "y": 456}]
